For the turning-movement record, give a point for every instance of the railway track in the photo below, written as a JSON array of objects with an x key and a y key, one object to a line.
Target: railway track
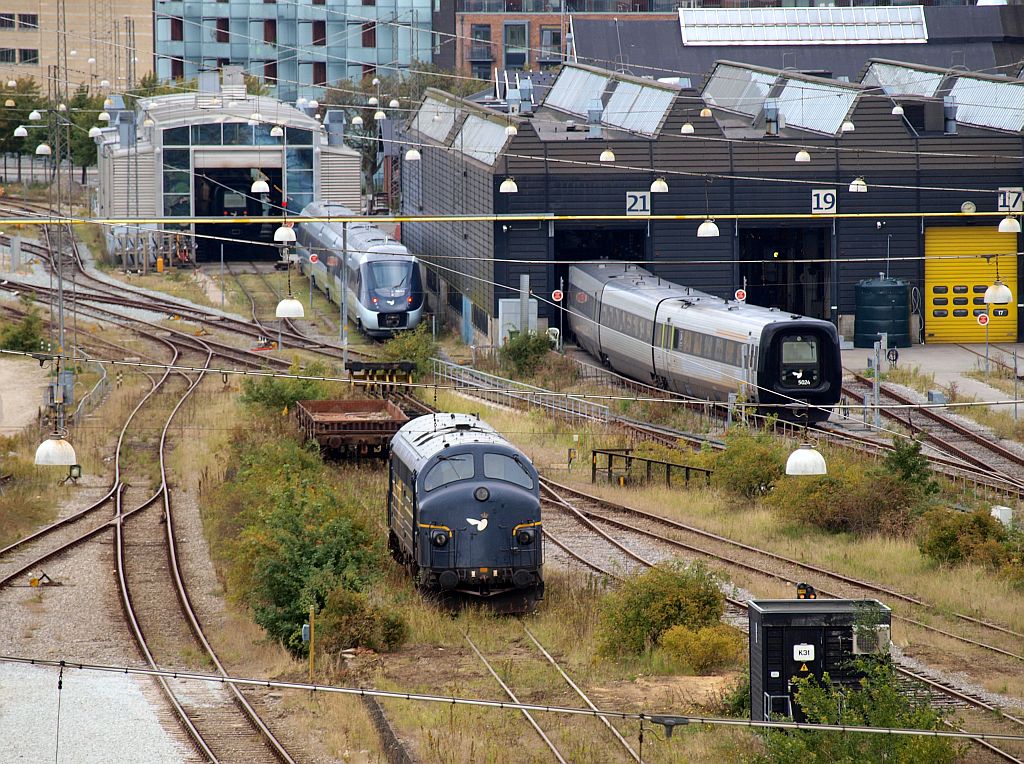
[{"x": 614, "y": 551}]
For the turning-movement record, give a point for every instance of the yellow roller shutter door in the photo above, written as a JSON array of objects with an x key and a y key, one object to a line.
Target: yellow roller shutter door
[{"x": 955, "y": 285}]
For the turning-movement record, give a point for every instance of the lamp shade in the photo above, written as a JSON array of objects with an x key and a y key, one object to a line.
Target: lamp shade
[
  {"x": 686, "y": 129},
  {"x": 256, "y": 117},
  {"x": 148, "y": 121},
  {"x": 301, "y": 101},
  {"x": 806, "y": 461},
  {"x": 1009, "y": 224},
  {"x": 802, "y": 156},
  {"x": 289, "y": 307},
  {"x": 313, "y": 103},
  {"x": 372, "y": 101},
  {"x": 998, "y": 294},
  {"x": 357, "y": 121},
  {"x": 34, "y": 115},
  {"x": 707, "y": 230},
  {"x": 379, "y": 115},
  {"x": 393, "y": 103},
  {"x": 858, "y": 186},
  {"x": 659, "y": 186},
  {"x": 91, "y": 60},
  {"x": 511, "y": 131},
  {"x": 276, "y": 131},
  {"x": 21, "y": 132},
  {"x": 12, "y": 84},
  {"x": 55, "y": 452},
  {"x": 62, "y": 107},
  {"x": 9, "y": 103},
  {"x": 847, "y": 127},
  {"x": 103, "y": 116},
  {"x": 413, "y": 155},
  {"x": 284, "y": 235},
  {"x": 897, "y": 111},
  {"x": 607, "y": 155},
  {"x": 259, "y": 187},
  {"x": 43, "y": 150},
  {"x": 705, "y": 112},
  {"x": 508, "y": 186},
  {"x": 104, "y": 83},
  {"x": 95, "y": 132}
]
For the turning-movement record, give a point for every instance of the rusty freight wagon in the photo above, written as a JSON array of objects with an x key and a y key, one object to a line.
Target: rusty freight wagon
[{"x": 355, "y": 428}]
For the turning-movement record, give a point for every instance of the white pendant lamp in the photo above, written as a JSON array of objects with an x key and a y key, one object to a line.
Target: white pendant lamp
[
  {"x": 686, "y": 129},
  {"x": 372, "y": 101},
  {"x": 858, "y": 186},
  {"x": 998, "y": 293},
  {"x": 707, "y": 230},
  {"x": 357, "y": 121},
  {"x": 508, "y": 186},
  {"x": 659, "y": 186},
  {"x": 103, "y": 116},
  {"x": 43, "y": 150},
  {"x": 897, "y": 111},
  {"x": 413, "y": 155},
  {"x": 393, "y": 103},
  {"x": 21, "y": 132},
  {"x": 289, "y": 307},
  {"x": 379, "y": 115},
  {"x": 511, "y": 131},
  {"x": 806, "y": 461},
  {"x": 705, "y": 112},
  {"x": 34, "y": 115},
  {"x": 848, "y": 127},
  {"x": 259, "y": 187},
  {"x": 607, "y": 156},
  {"x": 1009, "y": 224},
  {"x": 284, "y": 235},
  {"x": 95, "y": 132},
  {"x": 55, "y": 451},
  {"x": 802, "y": 156},
  {"x": 276, "y": 131}
]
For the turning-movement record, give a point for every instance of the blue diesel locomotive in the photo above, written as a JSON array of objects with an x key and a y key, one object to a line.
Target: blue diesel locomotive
[{"x": 464, "y": 509}]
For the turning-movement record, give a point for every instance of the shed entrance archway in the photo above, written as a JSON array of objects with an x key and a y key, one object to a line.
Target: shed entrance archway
[
  {"x": 787, "y": 268},
  {"x": 224, "y": 192}
]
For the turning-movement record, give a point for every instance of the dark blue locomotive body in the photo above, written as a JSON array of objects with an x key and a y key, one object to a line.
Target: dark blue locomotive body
[{"x": 464, "y": 509}]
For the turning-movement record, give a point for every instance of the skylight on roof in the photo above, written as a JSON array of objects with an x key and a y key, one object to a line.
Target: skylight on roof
[
  {"x": 895, "y": 79},
  {"x": 803, "y": 26},
  {"x": 736, "y": 88},
  {"x": 575, "y": 89}
]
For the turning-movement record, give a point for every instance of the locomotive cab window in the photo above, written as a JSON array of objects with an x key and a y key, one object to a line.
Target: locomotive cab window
[
  {"x": 505, "y": 467},
  {"x": 800, "y": 363},
  {"x": 449, "y": 469}
]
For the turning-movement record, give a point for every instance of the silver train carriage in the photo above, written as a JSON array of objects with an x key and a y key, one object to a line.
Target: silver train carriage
[
  {"x": 704, "y": 346},
  {"x": 385, "y": 288},
  {"x": 464, "y": 508}
]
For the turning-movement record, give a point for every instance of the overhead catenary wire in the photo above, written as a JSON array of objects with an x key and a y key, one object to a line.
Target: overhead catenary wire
[{"x": 665, "y": 720}]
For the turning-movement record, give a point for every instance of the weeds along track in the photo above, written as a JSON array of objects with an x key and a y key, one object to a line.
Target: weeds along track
[
  {"x": 970, "y": 445},
  {"x": 155, "y": 599},
  {"x": 607, "y": 554}
]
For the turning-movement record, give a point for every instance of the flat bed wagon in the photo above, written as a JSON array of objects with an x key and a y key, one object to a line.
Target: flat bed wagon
[{"x": 356, "y": 427}]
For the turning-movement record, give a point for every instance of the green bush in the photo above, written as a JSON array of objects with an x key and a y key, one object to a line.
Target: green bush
[
  {"x": 751, "y": 464},
  {"x": 879, "y": 701},
  {"x": 278, "y": 393},
  {"x": 705, "y": 650},
  {"x": 633, "y": 618},
  {"x": 952, "y": 537},
  {"x": 416, "y": 345},
  {"x": 24, "y": 335},
  {"x": 911, "y": 466},
  {"x": 349, "y": 620},
  {"x": 852, "y": 498},
  {"x": 525, "y": 351}
]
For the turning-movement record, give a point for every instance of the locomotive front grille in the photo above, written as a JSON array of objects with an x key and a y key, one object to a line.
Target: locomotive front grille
[{"x": 392, "y": 320}]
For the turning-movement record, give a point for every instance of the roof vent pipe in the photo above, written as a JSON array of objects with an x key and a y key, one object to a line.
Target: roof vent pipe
[
  {"x": 949, "y": 115},
  {"x": 773, "y": 119},
  {"x": 595, "y": 110},
  {"x": 514, "y": 99},
  {"x": 334, "y": 120},
  {"x": 526, "y": 92}
]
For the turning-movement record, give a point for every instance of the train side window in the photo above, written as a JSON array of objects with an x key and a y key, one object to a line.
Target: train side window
[
  {"x": 449, "y": 469},
  {"x": 1000, "y": 312},
  {"x": 505, "y": 467},
  {"x": 959, "y": 313},
  {"x": 940, "y": 300},
  {"x": 959, "y": 300},
  {"x": 960, "y": 289},
  {"x": 980, "y": 288},
  {"x": 940, "y": 290},
  {"x": 940, "y": 313},
  {"x": 979, "y": 300},
  {"x": 979, "y": 311}
]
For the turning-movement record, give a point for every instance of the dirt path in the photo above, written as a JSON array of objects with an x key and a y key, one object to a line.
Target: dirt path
[{"x": 21, "y": 393}]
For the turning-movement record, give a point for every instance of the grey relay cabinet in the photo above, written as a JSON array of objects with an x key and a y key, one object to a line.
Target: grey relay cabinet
[{"x": 808, "y": 637}]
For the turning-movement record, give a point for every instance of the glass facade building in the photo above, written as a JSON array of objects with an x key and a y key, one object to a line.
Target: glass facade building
[{"x": 295, "y": 47}]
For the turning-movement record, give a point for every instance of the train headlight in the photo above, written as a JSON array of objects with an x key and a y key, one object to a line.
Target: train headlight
[
  {"x": 525, "y": 537},
  {"x": 439, "y": 539},
  {"x": 409, "y": 299},
  {"x": 375, "y": 300},
  {"x": 481, "y": 494}
]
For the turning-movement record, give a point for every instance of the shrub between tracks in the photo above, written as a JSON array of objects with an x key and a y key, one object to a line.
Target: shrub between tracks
[{"x": 291, "y": 537}]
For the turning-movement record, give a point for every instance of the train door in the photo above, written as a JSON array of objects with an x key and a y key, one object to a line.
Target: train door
[
  {"x": 787, "y": 268},
  {"x": 955, "y": 283}
]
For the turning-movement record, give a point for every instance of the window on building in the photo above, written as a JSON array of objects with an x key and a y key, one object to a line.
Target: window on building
[
  {"x": 28, "y": 21},
  {"x": 480, "y": 45},
  {"x": 369, "y": 2},
  {"x": 320, "y": 32},
  {"x": 28, "y": 55},
  {"x": 270, "y": 71},
  {"x": 370, "y": 35},
  {"x": 550, "y": 45},
  {"x": 319, "y": 72},
  {"x": 177, "y": 68},
  {"x": 516, "y": 40},
  {"x": 223, "y": 30},
  {"x": 177, "y": 29},
  {"x": 8, "y": 56},
  {"x": 319, "y": 2},
  {"x": 6, "y": 21},
  {"x": 270, "y": 31},
  {"x": 481, "y": 69}
]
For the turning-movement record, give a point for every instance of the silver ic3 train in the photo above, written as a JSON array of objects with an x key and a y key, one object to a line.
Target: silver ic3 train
[
  {"x": 464, "y": 511},
  {"x": 385, "y": 290},
  {"x": 700, "y": 345}
]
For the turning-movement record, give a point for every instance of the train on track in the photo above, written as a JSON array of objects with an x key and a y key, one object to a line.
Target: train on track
[
  {"x": 385, "y": 288},
  {"x": 464, "y": 511},
  {"x": 704, "y": 346}
]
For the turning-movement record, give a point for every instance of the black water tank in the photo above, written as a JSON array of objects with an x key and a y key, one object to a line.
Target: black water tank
[{"x": 883, "y": 305}]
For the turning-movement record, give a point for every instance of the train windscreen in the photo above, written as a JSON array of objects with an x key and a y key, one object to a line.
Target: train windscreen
[
  {"x": 390, "y": 275},
  {"x": 800, "y": 363}
]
